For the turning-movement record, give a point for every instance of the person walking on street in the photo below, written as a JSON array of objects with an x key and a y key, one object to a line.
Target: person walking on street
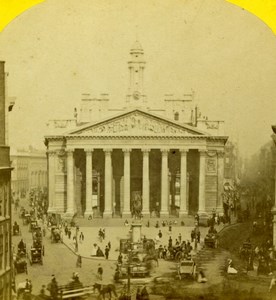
[
  {"x": 79, "y": 261},
  {"x": 144, "y": 294},
  {"x": 106, "y": 252},
  {"x": 100, "y": 272},
  {"x": 53, "y": 288}
]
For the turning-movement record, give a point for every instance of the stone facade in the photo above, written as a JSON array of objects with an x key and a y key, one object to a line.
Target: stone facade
[
  {"x": 5, "y": 198},
  {"x": 29, "y": 170},
  {"x": 158, "y": 161}
]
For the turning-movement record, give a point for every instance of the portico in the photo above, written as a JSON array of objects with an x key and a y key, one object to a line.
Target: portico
[{"x": 133, "y": 160}]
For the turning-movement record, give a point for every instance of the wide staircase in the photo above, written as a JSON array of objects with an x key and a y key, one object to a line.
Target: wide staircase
[{"x": 117, "y": 222}]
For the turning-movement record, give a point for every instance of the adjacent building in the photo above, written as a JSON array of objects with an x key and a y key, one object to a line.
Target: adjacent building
[
  {"x": 5, "y": 196},
  {"x": 274, "y": 199},
  {"x": 113, "y": 161},
  {"x": 29, "y": 170}
]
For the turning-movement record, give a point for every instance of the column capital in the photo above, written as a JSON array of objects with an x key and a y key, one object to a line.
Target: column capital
[
  {"x": 164, "y": 151},
  {"x": 51, "y": 152},
  {"x": 220, "y": 153},
  {"x": 88, "y": 150},
  {"x": 108, "y": 150},
  {"x": 69, "y": 151},
  {"x": 127, "y": 150},
  {"x": 202, "y": 152},
  {"x": 145, "y": 151},
  {"x": 183, "y": 151}
]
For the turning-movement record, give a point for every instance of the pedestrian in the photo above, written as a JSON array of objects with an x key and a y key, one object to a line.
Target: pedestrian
[
  {"x": 120, "y": 258},
  {"x": 170, "y": 242},
  {"x": 42, "y": 294},
  {"x": 81, "y": 237},
  {"x": 106, "y": 252},
  {"x": 109, "y": 245},
  {"x": 100, "y": 272},
  {"x": 160, "y": 234},
  {"x": 179, "y": 237},
  {"x": 103, "y": 233},
  {"x": 69, "y": 233},
  {"x": 144, "y": 294},
  {"x": 138, "y": 294},
  {"x": 79, "y": 261},
  {"x": 53, "y": 288}
]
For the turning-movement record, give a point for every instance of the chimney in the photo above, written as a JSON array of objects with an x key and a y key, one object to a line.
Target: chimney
[{"x": 2, "y": 103}]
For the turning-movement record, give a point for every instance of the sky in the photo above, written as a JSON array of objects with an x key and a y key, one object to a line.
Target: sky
[{"x": 57, "y": 50}]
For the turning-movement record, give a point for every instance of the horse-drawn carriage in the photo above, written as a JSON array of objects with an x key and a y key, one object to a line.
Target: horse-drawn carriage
[
  {"x": 35, "y": 256},
  {"x": 55, "y": 235},
  {"x": 26, "y": 218},
  {"x": 176, "y": 253},
  {"x": 245, "y": 250},
  {"x": 137, "y": 269},
  {"x": 37, "y": 240},
  {"x": 187, "y": 268},
  {"x": 211, "y": 240},
  {"x": 33, "y": 225},
  {"x": 16, "y": 229},
  {"x": 20, "y": 265},
  {"x": 21, "y": 249}
]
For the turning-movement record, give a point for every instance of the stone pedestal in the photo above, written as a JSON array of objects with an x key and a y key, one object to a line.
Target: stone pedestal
[{"x": 136, "y": 232}]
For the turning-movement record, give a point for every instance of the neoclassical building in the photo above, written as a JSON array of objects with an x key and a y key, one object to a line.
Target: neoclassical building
[{"x": 112, "y": 161}]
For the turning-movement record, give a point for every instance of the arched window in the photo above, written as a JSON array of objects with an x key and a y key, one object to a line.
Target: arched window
[{"x": 176, "y": 116}]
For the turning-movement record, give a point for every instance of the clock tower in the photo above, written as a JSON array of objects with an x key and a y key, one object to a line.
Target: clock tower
[{"x": 136, "y": 67}]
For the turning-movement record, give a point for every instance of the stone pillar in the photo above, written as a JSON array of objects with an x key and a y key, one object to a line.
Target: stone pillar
[
  {"x": 126, "y": 209},
  {"x": 201, "y": 195},
  {"x": 164, "y": 184},
  {"x": 70, "y": 184},
  {"x": 183, "y": 183},
  {"x": 108, "y": 184},
  {"x": 89, "y": 175},
  {"x": 51, "y": 180},
  {"x": 146, "y": 189},
  {"x": 220, "y": 181}
]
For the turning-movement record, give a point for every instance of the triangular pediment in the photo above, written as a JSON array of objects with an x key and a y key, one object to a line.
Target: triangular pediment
[{"x": 136, "y": 123}]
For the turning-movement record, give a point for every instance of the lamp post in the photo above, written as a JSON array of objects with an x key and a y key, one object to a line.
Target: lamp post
[{"x": 129, "y": 270}]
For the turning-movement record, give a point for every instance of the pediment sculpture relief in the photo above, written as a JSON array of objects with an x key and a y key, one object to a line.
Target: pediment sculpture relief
[{"x": 133, "y": 124}]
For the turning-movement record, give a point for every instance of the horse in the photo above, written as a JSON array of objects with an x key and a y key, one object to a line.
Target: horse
[{"x": 105, "y": 289}]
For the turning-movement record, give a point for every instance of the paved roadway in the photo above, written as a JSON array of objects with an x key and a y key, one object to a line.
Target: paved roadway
[{"x": 60, "y": 259}]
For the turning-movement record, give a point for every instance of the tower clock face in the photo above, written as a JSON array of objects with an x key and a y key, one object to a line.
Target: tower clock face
[{"x": 136, "y": 95}]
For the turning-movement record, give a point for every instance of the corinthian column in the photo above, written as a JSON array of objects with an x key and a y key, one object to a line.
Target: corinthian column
[
  {"x": 70, "y": 183},
  {"x": 107, "y": 184},
  {"x": 164, "y": 184},
  {"x": 183, "y": 182},
  {"x": 51, "y": 180},
  {"x": 126, "y": 208},
  {"x": 201, "y": 196},
  {"x": 220, "y": 180},
  {"x": 146, "y": 190},
  {"x": 89, "y": 178}
]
